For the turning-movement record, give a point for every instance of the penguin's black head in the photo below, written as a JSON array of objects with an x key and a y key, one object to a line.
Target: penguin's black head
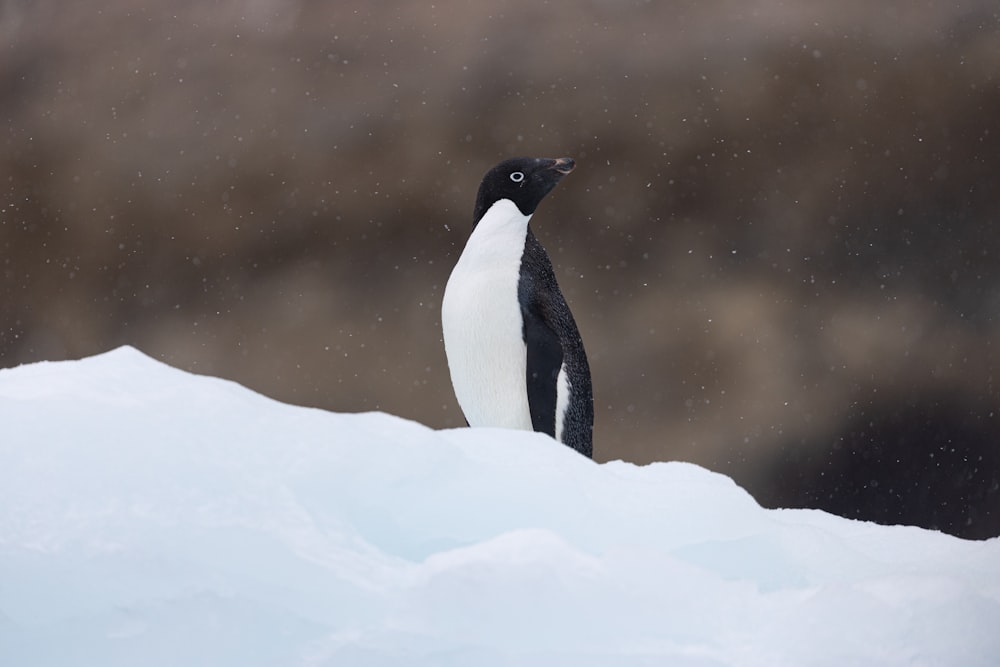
[{"x": 523, "y": 180}]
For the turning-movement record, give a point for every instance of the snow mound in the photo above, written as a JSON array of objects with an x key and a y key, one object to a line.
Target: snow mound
[{"x": 151, "y": 516}]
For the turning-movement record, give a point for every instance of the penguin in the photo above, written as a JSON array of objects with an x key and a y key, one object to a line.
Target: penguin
[{"x": 514, "y": 351}]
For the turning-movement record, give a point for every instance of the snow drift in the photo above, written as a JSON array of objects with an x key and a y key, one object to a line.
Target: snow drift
[{"x": 150, "y": 516}]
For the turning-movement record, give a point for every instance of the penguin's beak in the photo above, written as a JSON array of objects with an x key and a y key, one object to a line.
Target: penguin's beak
[{"x": 563, "y": 165}]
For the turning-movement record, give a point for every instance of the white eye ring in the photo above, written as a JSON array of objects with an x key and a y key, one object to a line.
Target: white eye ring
[{"x": 517, "y": 176}]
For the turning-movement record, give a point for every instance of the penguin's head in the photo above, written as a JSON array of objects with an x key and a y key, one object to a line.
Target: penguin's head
[{"x": 523, "y": 180}]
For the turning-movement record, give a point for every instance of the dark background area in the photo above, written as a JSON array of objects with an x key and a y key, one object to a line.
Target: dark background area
[{"x": 780, "y": 242}]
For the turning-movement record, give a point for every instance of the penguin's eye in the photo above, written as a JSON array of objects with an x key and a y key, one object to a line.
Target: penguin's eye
[{"x": 517, "y": 176}]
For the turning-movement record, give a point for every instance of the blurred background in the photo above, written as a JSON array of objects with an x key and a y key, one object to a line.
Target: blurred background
[{"x": 780, "y": 242}]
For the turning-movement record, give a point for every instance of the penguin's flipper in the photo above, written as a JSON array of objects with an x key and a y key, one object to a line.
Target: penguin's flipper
[{"x": 545, "y": 357}]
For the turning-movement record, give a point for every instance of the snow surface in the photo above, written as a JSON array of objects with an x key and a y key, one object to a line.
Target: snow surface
[{"x": 153, "y": 517}]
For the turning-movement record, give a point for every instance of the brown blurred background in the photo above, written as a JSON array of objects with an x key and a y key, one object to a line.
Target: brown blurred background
[{"x": 780, "y": 242}]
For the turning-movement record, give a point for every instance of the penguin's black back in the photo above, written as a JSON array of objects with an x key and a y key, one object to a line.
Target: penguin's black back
[{"x": 553, "y": 339}]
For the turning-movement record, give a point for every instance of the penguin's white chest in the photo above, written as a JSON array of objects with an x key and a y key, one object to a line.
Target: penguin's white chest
[{"x": 481, "y": 322}]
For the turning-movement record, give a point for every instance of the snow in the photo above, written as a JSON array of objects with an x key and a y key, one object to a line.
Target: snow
[{"x": 149, "y": 516}]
